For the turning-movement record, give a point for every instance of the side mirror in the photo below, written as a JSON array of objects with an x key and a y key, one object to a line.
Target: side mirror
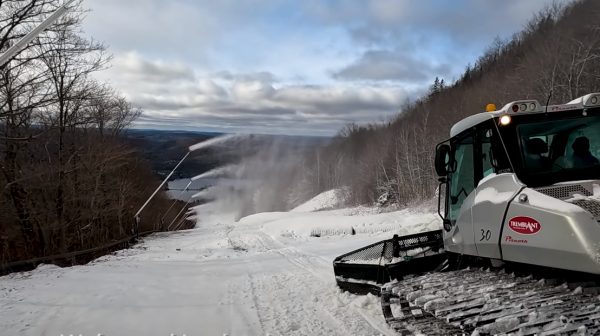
[{"x": 442, "y": 159}]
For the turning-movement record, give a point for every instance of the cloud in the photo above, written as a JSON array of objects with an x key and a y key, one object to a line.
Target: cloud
[
  {"x": 437, "y": 37},
  {"x": 464, "y": 20},
  {"x": 342, "y": 101},
  {"x": 190, "y": 30},
  {"x": 391, "y": 65},
  {"x": 290, "y": 66},
  {"x": 296, "y": 109},
  {"x": 133, "y": 66},
  {"x": 252, "y": 90},
  {"x": 262, "y": 76},
  {"x": 244, "y": 102}
]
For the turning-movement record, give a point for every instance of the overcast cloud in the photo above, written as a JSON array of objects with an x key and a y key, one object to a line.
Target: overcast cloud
[{"x": 290, "y": 67}]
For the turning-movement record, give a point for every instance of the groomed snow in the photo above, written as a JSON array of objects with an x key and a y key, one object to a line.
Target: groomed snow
[{"x": 263, "y": 275}]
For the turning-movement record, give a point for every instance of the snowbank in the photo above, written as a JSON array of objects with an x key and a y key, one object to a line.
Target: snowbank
[
  {"x": 358, "y": 221},
  {"x": 326, "y": 200}
]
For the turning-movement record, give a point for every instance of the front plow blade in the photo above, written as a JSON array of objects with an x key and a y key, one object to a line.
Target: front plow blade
[{"x": 364, "y": 270}]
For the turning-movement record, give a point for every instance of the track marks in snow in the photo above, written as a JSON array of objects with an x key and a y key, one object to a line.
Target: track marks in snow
[
  {"x": 346, "y": 309},
  {"x": 284, "y": 312},
  {"x": 241, "y": 303},
  {"x": 301, "y": 298}
]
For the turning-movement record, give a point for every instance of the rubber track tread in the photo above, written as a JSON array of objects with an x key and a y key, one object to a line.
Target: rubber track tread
[{"x": 479, "y": 302}]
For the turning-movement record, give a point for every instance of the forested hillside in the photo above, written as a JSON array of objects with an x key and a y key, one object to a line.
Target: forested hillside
[
  {"x": 556, "y": 55},
  {"x": 68, "y": 180}
]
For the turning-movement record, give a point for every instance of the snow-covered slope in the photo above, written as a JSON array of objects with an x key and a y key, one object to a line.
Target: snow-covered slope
[
  {"x": 364, "y": 221},
  {"x": 326, "y": 200},
  {"x": 262, "y": 275}
]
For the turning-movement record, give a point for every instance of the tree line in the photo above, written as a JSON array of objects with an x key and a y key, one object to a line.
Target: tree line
[
  {"x": 68, "y": 180},
  {"x": 554, "y": 59}
]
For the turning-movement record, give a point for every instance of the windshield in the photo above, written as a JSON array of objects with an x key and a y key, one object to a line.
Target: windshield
[{"x": 558, "y": 149}]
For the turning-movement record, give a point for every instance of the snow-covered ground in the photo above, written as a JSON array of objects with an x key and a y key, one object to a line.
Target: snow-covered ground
[{"x": 263, "y": 275}]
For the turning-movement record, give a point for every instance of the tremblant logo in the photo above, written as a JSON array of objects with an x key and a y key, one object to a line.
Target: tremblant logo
[{"x": 524, "y": 225}]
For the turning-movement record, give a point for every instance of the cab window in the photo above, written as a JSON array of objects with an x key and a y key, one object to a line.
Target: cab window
[
  {"x": 486, "y": 152},
  {"x": 462, "y": 178}
]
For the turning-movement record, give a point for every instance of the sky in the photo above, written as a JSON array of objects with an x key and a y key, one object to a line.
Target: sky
[{"x": 291, "y": 67}]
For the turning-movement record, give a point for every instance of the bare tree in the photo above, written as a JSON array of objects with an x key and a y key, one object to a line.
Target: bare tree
[{"x": 69, "y": 181}]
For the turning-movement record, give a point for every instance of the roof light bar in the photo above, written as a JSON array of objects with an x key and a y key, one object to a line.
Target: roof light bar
[
  {"x": 591, "y": 100},
  {"x": 521, "y": 106}
]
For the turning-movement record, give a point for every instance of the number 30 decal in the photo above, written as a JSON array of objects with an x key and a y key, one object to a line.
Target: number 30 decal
[{"x": 485, "y": 235}]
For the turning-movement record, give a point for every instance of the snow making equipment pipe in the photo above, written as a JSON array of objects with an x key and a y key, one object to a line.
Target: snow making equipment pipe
[
  {"x": 137, "y": 214},
  {"x": 192, "y": 148},
  {"x": 25, "y": 40},
  {"x": 162, "y": 218}
]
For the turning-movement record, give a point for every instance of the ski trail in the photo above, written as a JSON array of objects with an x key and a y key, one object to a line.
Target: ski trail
[
  {"x": 325, "y": 279},
  {"x": 321, "y": 269},
  {"x": 285, "y": 313},
  {"x": 220, "y": 278},
  {"x": 278, "y": 300}
]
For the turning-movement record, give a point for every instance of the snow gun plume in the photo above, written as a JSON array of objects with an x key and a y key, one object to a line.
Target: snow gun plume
[
  {"x": 267, "y": 176},
  {"x": 206, "y": 193},
  {"x": 214, "y": 141},
  {"x": 217, "y": 172}
]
